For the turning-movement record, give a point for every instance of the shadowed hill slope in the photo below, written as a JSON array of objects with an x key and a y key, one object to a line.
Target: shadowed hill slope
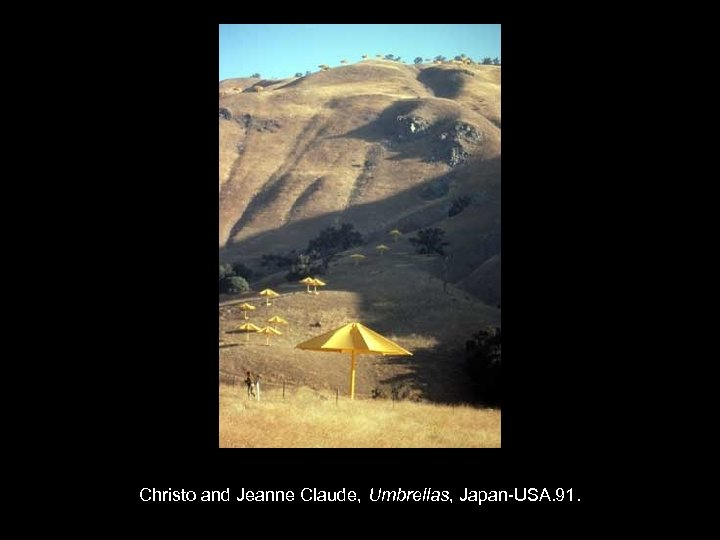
[
  {"x": 378, "y": 144},
  {"x": 381, "y": 145}
]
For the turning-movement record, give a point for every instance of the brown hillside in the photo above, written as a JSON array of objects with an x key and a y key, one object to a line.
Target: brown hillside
[
  {"x": 378, "y": 144},
  {"x": 381, "y": 145}
]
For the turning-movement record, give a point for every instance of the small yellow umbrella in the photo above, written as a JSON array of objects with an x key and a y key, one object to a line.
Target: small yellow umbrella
[
  {"x": 395, "y": 234},
  {"x": 246, "y": 307},
  {"x": 247, "y": 328},
  {"x": 277, "y": 319},
  {"x": 267, "y": 293},
  {"x": 307, "y": 281},
  {"x": 382, "y": 248},
  {"x": 318, "y": 283},
  {"x": 354, "y": 338},
  {"x": 268, "y": 330},
  {"x": 358, "y": 257}
]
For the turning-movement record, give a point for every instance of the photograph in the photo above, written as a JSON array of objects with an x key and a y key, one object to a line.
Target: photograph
[{"x": 359, "y": 236}]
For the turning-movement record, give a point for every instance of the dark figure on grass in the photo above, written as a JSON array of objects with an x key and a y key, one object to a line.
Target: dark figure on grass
[{"x": 250, "y": 385}]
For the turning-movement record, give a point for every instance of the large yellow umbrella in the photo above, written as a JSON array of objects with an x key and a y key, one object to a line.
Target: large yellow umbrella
[
  {"x": 277, "y": 319},
  {"x": 307, "y": 281},
  {"x": 358, "y": 257},
  {"x": 268, "y": 330},
  {"x": 268, "y": 293},
  {"x": 318, "y": 283},
  {"x": 246, "y": 307},
  {"x": 395, "y": 233},
  {"x": 247, "y": 328},
  {"x": 354, "y": 338},
  {"x": 382, "y": 248}
]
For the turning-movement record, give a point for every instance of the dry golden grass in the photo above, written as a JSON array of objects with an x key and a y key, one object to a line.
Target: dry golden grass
[{"x": 311, "y": 419}]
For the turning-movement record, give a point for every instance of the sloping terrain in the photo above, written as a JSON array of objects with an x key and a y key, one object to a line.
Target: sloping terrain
[{"x": 380, "y": 145}]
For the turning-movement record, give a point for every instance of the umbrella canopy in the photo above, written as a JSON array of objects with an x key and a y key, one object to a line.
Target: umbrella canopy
[
  {"x": 395, "y": 233},
  {"x": 248, "y": 327},
  {"x": 268, "y": 293},
  {"x": 382, "y": 248},
  {"x": 354, "y": 338},
  {"x": 307, "y": 281},
  {"x": 246, "y": 307},
  {"x": 318, "y": 283},
  {"x": 268, "y": 331},
  {"x": 277, "y": 319},
  {"x": 358, "y": 257}
]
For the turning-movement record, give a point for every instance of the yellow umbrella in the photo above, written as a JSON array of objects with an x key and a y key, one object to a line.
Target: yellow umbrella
[
  {"x": 267, "y": 331},
  {"x": 382, "y": 248},
  {"x": 246, "y": 307},
  {"x": 358, "y": 257},
  {"x": 277, "y": 319},
  {"x": 395, "y": 234},
  {"x": 307, "y": 281},
  {"x": 247, "y": 328},
  {"x": 267, "y": 293},
  {"x": 318, "y": 283},
  {"x": 354, "y": 338}
]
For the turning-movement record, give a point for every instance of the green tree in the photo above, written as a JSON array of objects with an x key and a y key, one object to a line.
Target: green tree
[
  {"x": 429, "y": 241},
  {"x": 239, "y": 269},
  {"x": 496, "y": 61},
  {"x": 418, "y": 60},
  {"x": 487, "y": 61},
  {"x": 225, "y": 270},
  {"x": 233, "y": 285},
  {"x": 299, "y": 74},
  {"x": 389, "y": 57},
  {"x": 483, "y": 356},
  {"x": 256, "y": 75}
]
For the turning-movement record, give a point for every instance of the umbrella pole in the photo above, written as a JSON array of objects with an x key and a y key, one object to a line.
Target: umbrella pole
[
  {"x": 352, "y": 375},
  {"x": 267, "y": 340},
  {"x": 247, "y": 336}
]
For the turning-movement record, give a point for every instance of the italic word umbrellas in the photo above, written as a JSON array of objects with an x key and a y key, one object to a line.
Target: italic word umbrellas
[
  {"x": 247, "y": 328},
  {"x": 245, "y": 308},
  {"x": 268, "y": 293},
  {"x": 354, "y": 338},
  {"x": 318, "y": 283},
  {"x": 307, "y": 281},
  {"x": 268, "y": 330}
]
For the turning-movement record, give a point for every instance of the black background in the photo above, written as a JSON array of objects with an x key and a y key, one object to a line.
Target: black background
[{"x": 146, "y": 409}]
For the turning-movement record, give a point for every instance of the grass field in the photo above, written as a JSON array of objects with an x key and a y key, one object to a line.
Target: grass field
[{"x": 310, "y": 419}]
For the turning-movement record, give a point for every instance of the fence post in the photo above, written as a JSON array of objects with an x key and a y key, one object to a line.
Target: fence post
[
  {"x": 337, "y": 393},
  {"x": 283, "y": 387}
]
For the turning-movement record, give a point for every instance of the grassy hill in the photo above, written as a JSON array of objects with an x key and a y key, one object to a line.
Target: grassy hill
[
  {"x": 380, "y": 145},
  {"x": 395, "y": 294}
]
